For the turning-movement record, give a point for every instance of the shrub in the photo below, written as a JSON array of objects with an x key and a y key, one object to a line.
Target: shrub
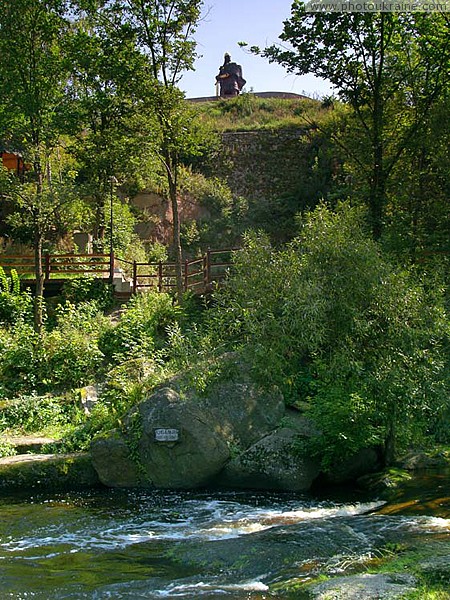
[
  {"x": 7, "y": 449},
  {"x": 142, "y": 327},
  {"x": 34, "y": 413},
  {"x": 14, "y": 304},
  {"x": 64, "y": 358},
  {"x": 330, "y": 321},
  {"x": 86, "y": 289},
  {"x": 68, "y": 359}
]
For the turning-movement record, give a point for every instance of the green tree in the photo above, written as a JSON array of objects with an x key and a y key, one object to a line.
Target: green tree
[
  {"x": 33, "y": 76},
  {"x": 106, "y": 73},
  {"x": 390, "y": 68},
  {"x": 164, "y": 33},
  {"x": 336, "y": 327}
]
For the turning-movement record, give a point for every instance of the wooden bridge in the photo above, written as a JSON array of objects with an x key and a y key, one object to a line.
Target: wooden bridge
[{"x": 128, "y": 277}]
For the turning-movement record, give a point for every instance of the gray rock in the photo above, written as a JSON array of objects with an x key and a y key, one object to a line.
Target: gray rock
[
  {"x": 139, "y": 458},
  {"x": 362, "y": 462},
  {"x": 437, "y": 566},
  {"x": 243, "y": 411},
  {"x": 422, "y": 461},
  {"x": 198, "y": 454},
  {"x": 382, "y": 586},
  {"x": 275, "y": 462},
  {"x": 89, "y": 397},
  {"x": 112, "y": 460},
  {"x": 178, "y": 439}
]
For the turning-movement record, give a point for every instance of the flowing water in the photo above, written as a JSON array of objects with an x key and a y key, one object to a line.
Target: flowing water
[{"x": 124, "y": 544}]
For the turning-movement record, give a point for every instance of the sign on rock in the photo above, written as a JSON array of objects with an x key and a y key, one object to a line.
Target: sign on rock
[{"x": 167, "y": 435}]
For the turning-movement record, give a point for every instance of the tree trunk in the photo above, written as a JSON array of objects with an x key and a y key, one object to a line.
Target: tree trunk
[
  {"x": 377, "y": 193},
  {"x": 172, "y": 181},
  {"x": 39, "y": 275},
  {"x": 378, "y": 180},
  {"x": 38, "y": 241},
  {"x": 390, "y": 441},
  {"x": 100, "y": 222},
  {"x": 390, "y": 445}
]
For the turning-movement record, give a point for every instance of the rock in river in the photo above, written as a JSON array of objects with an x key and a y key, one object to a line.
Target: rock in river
[{"x": 178, "y": 439}]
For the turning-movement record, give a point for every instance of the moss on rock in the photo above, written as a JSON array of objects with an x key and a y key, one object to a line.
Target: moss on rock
[{"x": 47, "y": 472}]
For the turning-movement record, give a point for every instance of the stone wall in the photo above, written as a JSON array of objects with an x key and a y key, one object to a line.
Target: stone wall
[
  {"x": 262, "y": 166},
  {"x": 267, "y": 164}
]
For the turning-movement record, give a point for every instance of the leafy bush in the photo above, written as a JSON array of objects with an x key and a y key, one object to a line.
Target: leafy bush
[
  {"x": 64, "y": 358},
  {"x": 85, "y": 316},
  {"x": 69, "y": 359},
  {"x": 126, "y": 385},
  {"x": 7, "y": 449},
  {"x": 14, "y": 304},
  {"x": 141, "y": 329},
  {"x": 86, "y": 289},
  {"x": 34, "y": 413},
  {"x": 330, "y": 321}
]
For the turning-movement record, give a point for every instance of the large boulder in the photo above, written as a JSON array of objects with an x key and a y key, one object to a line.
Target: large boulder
[
  {"x": 276, "y": 461},
  {"x": 243, "y": 411},
  {"x": 168, "y": 442},
  {"x": 179, "y": 439},
  {"x": 181, "y": 444},
  {"x": 112, "y": 459},
  {"x": 362, "y": 462}
]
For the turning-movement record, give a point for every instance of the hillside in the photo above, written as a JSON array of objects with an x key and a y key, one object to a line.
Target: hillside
[{"x": 271, "y": 163}]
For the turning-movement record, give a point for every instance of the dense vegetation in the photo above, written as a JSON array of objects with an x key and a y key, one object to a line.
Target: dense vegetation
[{"x": 340, "y": 293}]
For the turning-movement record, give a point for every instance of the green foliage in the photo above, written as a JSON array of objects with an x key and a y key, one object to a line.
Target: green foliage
[
  {"x": 124, "y": 238},
  {"x": 86, "y": 289},
  {"x": 247, "y": 112},
  {"x": 125, "y": 386},
  {"x": 216, "y": 226},
  {"x": 330, "y": 321},
  {"x": 141, "y": 329},
  {"x": 80, "y": 437},
  {"x": 69, "y": 359},
  {"x": 14, "y": 304},
  {"x": 391, "y": 100},
  {"x": 11, "y": 284},
  {"x": 7, "y": 449},
  {"x": 29, "y": 414},
  {"x": 63, "y": 358}
]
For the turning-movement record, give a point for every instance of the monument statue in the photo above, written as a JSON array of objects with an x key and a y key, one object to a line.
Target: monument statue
[{"x": 230, "y": 78}]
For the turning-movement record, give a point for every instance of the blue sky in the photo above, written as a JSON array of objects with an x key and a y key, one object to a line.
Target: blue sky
[{"x": 257, "y": 22}]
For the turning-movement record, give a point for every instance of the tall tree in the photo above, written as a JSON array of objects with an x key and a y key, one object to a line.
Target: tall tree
[
  {"x": 33, "y": 78},
  {"x": 106, "y": 74},
  {"x": 391, "y": 69},
  {"x": 164, "y": 33}
]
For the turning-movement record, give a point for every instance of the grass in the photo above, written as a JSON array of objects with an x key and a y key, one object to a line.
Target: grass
[{"x": 250, "y": 113}]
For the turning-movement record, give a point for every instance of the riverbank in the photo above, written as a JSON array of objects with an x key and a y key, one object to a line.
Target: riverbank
[{"x": 34, "y": 472}]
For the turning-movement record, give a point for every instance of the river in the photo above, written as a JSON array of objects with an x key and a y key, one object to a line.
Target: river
[{"x": 124, "y": 544}]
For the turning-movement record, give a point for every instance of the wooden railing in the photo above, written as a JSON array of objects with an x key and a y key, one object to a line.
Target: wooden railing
[
  {"x": 199, "y": 274},
  {"x": 60, "y": 265}
]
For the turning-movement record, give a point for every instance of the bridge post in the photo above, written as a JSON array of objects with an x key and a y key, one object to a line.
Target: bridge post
[
  {"x": 160, "y": 276},
  {"x": 205, "y": 272},
  {"x": 111, "y": 266},
  {"x": 208, "y": 267},
  {"x": 134, "y": 277},
  {"x": 186, "y": 275},
  {"x": 47, "y": 266}
]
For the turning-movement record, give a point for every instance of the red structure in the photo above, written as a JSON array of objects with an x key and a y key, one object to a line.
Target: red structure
[{"x": 13, "y": 161}]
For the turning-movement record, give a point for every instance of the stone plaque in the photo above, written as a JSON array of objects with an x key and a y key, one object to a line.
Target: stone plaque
[{"x": 167, "y": 435}]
